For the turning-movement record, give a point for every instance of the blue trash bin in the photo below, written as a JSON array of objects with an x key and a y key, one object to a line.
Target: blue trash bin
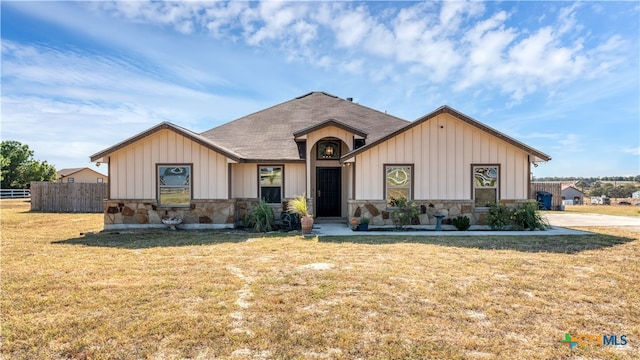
[{"x": 544, "y": 200}]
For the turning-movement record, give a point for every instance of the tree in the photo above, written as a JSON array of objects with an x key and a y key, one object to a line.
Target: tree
[{"x": 19, "y": 168}]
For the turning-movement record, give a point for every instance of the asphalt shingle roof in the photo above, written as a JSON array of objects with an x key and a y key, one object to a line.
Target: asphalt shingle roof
[{"x": 269, "y": 134}]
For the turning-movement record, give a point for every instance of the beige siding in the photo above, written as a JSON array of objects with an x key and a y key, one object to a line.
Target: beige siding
[
  {"x": 294, "y": 180},
  {"x": 134, "y": 167},
  {"x": 447, "y": 147},
  {"x": 85, "y": 176},
  {"x": 244, "y": 183}
]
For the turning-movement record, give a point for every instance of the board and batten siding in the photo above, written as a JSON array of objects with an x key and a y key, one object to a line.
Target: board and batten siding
[
  {"x": 442, "y": 150},
  {"x": 244, "y": 181},
  {"x": 294, "y": 179},
  {"x": 134, "y": 167}
]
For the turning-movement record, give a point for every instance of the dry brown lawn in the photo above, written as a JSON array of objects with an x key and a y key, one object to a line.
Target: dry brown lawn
[
  {"x": 618, "y": 210},
  {"x": 205, "y": 295}
]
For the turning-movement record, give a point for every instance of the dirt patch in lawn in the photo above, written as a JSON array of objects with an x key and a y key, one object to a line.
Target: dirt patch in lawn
[{"x": 222, "y": 296}]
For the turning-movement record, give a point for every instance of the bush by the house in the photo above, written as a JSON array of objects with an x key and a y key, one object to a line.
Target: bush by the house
[
  {"x": 524, "y": 217},
  {"x": 260, "y": 217},
  {"x": 461, "y": 223},
  {"x": 527, "y": 217},
  {"x": 404, "y": 213}
]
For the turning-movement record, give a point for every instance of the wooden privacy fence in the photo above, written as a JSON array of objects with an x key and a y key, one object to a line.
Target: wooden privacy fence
[
  {"x": 553, "y": 188},
  {"x": 68, "y": 197}
]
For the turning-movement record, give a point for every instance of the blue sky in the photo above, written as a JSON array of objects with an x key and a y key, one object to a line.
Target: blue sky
[{"x": 563, "y": 77}]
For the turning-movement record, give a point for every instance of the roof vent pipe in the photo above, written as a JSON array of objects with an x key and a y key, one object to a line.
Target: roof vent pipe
[{"x": 350, "y": 99}]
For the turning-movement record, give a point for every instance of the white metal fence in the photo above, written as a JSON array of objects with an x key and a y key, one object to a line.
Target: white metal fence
[{"x": 15, "y": 193}]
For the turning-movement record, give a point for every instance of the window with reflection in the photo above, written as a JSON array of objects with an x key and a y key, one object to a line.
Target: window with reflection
[
  {"x": 271, "y": 184},
  {"x": 398, "y": 182},
  {"x": 485, "y": 185},
  {"x": 174, "y": 185},
  {"x": 329, "y": 150}
]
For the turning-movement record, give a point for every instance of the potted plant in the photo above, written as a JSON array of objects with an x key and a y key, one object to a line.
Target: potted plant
[
  {"x": 364, "y": 224},
  {"x": 299, "y": 206}
]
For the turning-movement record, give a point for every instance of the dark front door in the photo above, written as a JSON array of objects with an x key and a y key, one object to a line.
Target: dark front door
[{"x": 328, "y": 192}]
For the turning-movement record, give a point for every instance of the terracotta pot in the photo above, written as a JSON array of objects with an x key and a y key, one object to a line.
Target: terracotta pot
[{"x": 307, "y": 224}]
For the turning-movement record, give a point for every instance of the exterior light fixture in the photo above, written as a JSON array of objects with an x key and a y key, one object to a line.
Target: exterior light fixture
[{"x": 328, "y": 151}]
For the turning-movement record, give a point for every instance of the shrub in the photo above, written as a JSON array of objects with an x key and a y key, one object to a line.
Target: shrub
[
  {"x": 260, "y": 217},
  {"x": 461, "y": 223},
  {"x": 528, "y": 217},
  {"x": 364, "y": 220},
  {"x": 524, "y": 217},
  {"x": 499, "y": 217},
  {"x": 404, "y": 213}
]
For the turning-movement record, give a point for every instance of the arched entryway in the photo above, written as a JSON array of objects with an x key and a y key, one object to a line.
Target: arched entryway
[{"x": 329, "y": 178}]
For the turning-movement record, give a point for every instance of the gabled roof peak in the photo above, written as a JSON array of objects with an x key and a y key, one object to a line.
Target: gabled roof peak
[
  {"x": 165, "y": 125},
  {"x": 331, "y": 122},
  {"x": 317, "y": 92},
  {"x": 445, "y": 109}
]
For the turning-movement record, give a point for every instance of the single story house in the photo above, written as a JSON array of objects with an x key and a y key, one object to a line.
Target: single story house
[
  {"x": 350, "y": 161},
  {"x": 81, "y": 175},
  {"x": 570, "y": 192}
]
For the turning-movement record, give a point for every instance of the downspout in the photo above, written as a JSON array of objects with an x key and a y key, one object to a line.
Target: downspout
[{"x": 530, "y": 178}]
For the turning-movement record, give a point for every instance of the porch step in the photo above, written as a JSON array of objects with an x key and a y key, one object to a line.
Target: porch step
[{"x": 330, "y": 220}]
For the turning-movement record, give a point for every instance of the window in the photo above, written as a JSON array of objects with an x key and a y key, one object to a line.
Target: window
[
  {"x": 398, "y": 182},
  {"x": 271, "y": 184},
  {"x": 100, "y": 180},
  {"x": 302, "y": 149},
  {"x": 328, "y": 150},
  {"x": 485, "y": 185},
  {"x": 174, "y": 185},
  {"x": 70, "y": 180}
]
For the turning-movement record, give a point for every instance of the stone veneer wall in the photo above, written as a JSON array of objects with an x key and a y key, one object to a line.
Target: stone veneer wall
[
  {"x": 380, "y": 215},
  {"x": 204, "y": 214},
  {"x": 244, "y": 205}
]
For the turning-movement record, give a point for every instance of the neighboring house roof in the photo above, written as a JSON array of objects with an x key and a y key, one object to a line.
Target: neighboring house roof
[
  {"x": 67, "y": 172},
  {"x": 70, "y": 172},
  {"x": 448, "y": 110},
  {"x": 270, "y": 134},
  {"x": 169, "y": 126},
  {"x": 567, "y": 187}
]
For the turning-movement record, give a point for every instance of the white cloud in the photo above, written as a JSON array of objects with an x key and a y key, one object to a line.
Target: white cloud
[
  {"x": 452, "y": 41},
  {"x": 632, "y": 150},
  {"x": 169, "y": 60}
]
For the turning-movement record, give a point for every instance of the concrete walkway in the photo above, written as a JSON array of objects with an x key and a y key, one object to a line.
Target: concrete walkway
[
  {"x": 344, "y": 230},
  {"x": 557, "y": 220}
]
